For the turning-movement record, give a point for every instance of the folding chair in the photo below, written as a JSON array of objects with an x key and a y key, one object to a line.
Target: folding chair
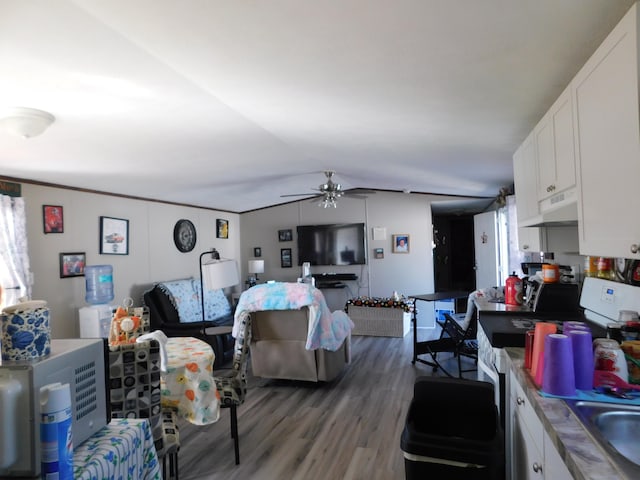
[{"x": 453, "y": 339}]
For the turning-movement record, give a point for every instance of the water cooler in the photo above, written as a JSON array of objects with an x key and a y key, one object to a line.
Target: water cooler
[{"x": 95, "y": 320}]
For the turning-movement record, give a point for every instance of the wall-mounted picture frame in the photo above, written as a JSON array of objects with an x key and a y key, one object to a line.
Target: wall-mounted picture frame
[
  {"x": 114, "y": 236},
  {"x": 285, "y": 258},
  {"x": 257, "y": 252},
  {"x": 222, "y": 228},
  {"x": 52, "y": 219},
  {"x": 378, "y": 253},
  {"x": 72, "y": 264},
  {"x": 400, "y": 243},
  {"x": 285, "y": 235}
]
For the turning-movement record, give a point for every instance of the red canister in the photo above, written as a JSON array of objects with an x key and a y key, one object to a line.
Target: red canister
[{"x": 513, "y": 290}]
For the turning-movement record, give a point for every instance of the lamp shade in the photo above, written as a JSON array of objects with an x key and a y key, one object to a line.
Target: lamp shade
[
  {"x": 256, "y": 266},
  {"x": 218, "y": 274}
]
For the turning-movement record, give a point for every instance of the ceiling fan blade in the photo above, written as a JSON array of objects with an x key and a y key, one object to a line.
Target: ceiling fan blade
[
  {"x": 361, "y": 191},
  {"x": 353, "y": 195},
  {"x": 299, "y": 194}
]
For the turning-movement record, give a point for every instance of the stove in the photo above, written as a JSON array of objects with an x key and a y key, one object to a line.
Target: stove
[{"x": 600, "y": 302}]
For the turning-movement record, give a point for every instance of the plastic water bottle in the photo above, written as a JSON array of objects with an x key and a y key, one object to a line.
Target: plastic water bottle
[
  {"x": 56, "y": 443},
  {"x": 99, "y": 284}
]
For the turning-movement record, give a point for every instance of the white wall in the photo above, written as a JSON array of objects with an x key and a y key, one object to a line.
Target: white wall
[
  {"x": 399, "y": 213},
  {"x": 152, "y": 257}
]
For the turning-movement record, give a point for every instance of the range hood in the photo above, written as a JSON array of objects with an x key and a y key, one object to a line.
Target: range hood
[{"x": 558, "y": 211}]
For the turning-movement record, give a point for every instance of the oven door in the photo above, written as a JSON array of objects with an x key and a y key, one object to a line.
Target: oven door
[{"x": 490, "y": 362}]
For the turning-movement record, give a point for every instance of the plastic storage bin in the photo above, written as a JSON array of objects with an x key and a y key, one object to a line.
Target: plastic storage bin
[{"x": 453, "y": 431}]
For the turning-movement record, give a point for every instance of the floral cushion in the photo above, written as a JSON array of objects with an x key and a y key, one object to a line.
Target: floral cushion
[{"x": 185, "y": 296}]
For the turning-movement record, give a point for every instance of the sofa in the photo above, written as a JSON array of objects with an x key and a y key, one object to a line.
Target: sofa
[
  {"x": 294, "y": 336},
  {"x": 175, "y": 308}
]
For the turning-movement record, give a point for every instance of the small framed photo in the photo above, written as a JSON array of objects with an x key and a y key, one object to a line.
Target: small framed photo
[
  {"x": 378, "y": 253},
  {"x": 114, "y": 236},
  {"x": 72, "y": 264},
  {"x": 257, "y": 252},
  {"x": 52, "y": 220},
  {"x": 400, "y": 243},
  {"x": 285, "y": 235},
  {"x": 222, "y": 228},
  {"x": 285, "y": 258}
]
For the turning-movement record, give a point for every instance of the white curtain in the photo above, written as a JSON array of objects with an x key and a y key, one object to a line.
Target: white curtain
[{"x": 15, "y": 273}]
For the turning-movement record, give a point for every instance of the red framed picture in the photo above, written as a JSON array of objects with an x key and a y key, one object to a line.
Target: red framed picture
[{"x": 52, "y": 219}]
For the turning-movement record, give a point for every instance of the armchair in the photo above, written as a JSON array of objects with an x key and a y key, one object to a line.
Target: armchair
[
  {"x": 175, "y": 308},
  {"x": 294, "y": 335}
]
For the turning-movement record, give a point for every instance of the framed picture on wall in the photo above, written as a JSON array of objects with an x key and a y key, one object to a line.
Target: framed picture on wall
[
  {"x": 285, "y": 235},
  {"x": 400, "y": 243},
  {"x": 257, "y": 252},
  {"x": 222, "y": 228},
  {"x": 72, "y": 264},
  {"x": 114, "y": 236},
  {"x": 52, "y": 220},
  {"x": 285, "y": 258}
]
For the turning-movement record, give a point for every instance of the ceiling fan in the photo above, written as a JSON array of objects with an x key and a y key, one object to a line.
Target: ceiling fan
[{"x": 331, "y": 191}]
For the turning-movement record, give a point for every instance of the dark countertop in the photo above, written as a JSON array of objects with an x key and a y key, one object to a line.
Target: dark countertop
[{"x": 582, "y": 455}]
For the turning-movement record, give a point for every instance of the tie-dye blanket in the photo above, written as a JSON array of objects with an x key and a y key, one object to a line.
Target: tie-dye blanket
[{"x": 326, "y": 330}]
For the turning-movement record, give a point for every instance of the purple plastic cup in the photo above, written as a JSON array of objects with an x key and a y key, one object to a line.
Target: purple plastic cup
[
  {"x": 558, "y": 376},
  {"x": 570, "y": 326},
  {"x": 583, "y": 364}
]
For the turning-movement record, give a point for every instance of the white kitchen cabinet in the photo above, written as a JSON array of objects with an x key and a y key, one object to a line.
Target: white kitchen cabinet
[
  {"x": 554, "y": 466},
  {"x": 525, "y": 179},
  {"x": 555, "y": 150},
  {"x": 530, "y": 239},
  {"x": 525, "y": 434},
  {"x": 526, "y": 186},
  {"x": 532, "y": 453},
  {"x": 605, "y": 98}
]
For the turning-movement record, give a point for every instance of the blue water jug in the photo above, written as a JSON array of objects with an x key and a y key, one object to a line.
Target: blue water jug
[{"x": 99, "y": 284}]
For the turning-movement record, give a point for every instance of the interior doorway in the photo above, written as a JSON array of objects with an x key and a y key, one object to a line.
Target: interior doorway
[{"x": 453, "y": 254}]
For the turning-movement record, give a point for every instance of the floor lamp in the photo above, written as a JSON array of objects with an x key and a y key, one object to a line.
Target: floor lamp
[{"x": 216, "y": 273}]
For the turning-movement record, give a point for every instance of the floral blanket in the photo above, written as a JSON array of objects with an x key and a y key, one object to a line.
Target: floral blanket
[{"x": 326, "y": 330}]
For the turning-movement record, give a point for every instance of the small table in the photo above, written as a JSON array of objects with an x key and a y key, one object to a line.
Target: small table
[
  {"x": 122, "y": 449},
  {"x": 188, "y": 385},
  {"x": 429, "y": 297}
]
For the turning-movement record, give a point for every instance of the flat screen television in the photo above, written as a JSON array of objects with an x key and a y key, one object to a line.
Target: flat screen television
[{"x": 336, "y": 244}]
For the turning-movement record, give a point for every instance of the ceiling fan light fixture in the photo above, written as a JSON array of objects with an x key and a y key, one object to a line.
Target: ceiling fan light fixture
[
  {"x": 26, "y": 122},
  {"x": 328, "y": 201}
]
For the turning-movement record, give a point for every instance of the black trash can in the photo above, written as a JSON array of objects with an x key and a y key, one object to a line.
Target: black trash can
[{"x": 453, "y": 431}]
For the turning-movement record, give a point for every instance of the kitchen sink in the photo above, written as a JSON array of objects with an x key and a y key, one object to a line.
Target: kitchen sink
[{"x": 616, "y": 427}]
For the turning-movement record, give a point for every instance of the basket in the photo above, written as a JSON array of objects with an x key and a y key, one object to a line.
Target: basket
[{"x": 377, "y": 321}]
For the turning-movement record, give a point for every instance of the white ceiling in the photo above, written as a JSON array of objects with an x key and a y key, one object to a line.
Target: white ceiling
[{"x": 230, "y": 104}]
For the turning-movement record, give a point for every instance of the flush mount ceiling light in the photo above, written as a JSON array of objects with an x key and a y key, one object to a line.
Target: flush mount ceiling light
[{"x": 25, "y": 122}]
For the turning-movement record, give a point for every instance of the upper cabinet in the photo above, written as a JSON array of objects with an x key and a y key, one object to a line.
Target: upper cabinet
[
  {"x": 526, "y": 185},
  {"x": 605, "y": 97},
  {"x": 525, "y": 179},
  {"x": 544, "y": 169},
  {"x": 556, "y": 158}
]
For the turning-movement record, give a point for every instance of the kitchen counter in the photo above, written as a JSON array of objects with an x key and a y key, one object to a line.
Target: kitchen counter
[
  {"x": 485, "y": 306},
  {"x": 582, "y": 455}
]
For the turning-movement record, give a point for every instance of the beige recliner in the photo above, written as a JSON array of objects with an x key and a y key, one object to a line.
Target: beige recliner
[{"x": 278, "y": 348}]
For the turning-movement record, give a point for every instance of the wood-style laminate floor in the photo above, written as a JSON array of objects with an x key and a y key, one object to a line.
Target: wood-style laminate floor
[{"x": 345, "y": 429}]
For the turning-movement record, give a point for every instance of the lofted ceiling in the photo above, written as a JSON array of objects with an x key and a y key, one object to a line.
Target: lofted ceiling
[{"x": 230, "y": 104}]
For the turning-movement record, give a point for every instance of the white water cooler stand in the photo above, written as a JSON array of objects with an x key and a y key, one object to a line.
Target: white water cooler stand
[{"x": 95, "y": 320}]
